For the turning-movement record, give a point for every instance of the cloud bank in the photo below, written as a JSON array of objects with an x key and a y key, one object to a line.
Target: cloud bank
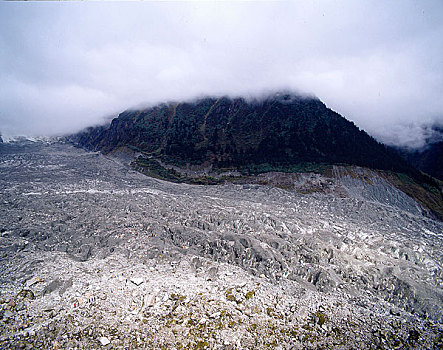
[{"x": 64, "y": 66}]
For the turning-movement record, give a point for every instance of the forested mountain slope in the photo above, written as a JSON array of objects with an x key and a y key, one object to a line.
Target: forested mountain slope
[{"x": 281, "y": 132}]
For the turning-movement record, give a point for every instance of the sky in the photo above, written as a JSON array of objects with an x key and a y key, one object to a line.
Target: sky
[{"x": 68, "y": 65}]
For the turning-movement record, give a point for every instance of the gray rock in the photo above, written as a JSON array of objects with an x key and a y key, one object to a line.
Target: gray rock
[
  {"x": 7, "y": 314},
  {"x": 104, "y": 341},
  {"x": 371, "y": 263},
  {"x": 212, "y": 273},
  {"x": 52, "y": 286},
  {"x": 66, "y": 285},
  {"x": 33, "y": 280}
]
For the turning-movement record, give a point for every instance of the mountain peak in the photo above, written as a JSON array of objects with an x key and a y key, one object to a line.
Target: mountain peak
[
  {"x": 288, "y": 97},
  {"x": 283, "y": 132},
  {"x": 279, "y": 128}
]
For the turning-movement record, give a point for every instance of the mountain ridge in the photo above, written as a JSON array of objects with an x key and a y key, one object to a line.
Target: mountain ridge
[
  {"x": 278, "y": 129},
  {"x": 430, "y": 157}
]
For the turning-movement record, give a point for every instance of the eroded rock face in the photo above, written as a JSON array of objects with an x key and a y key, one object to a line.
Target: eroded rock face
[{"x": 246, "y": 266}]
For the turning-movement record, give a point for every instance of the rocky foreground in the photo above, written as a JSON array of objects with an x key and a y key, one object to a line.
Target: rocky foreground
[{"x": 97, "y": 256}]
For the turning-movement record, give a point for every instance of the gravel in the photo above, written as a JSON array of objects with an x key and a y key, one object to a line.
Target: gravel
[{"x": 96, "y": 255}]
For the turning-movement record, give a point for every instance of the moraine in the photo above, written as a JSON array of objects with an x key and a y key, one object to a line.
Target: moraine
[{"x": 358, "y": 265}]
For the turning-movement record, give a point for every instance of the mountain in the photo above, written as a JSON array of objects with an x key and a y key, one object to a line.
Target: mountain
[
  {"x": 281, "y": 132},
  {"x": 430, "y": 157},
  {"x": 282, "y": 129}
]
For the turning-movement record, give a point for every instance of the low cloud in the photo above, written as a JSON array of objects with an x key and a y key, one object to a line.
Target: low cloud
[{"x": 65, "y": 66}]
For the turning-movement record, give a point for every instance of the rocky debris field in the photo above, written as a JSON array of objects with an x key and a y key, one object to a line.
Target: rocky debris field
[{"x": 97, "y": 256}]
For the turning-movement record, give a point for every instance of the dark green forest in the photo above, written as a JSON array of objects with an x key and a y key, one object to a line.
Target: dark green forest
[{"x": 276, "y": 131}]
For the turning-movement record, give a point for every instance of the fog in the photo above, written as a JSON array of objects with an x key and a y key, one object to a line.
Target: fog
[{"x": 68, "y": 65}]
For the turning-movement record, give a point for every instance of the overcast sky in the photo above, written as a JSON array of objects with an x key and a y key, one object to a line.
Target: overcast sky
[{"x": 67, "y": 65}]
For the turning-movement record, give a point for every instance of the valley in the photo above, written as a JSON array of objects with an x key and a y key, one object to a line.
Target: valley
[{"x": 97, "y": 255}]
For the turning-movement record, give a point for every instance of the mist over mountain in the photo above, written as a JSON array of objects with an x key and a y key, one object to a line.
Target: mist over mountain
[
  {"x": 280, "y": 129},
  {"x": 377, "y": 63},
  {"x": 428, "y": 158}
]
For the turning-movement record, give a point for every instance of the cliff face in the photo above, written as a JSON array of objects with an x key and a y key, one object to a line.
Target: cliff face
[{"x": 282, "y": 129}]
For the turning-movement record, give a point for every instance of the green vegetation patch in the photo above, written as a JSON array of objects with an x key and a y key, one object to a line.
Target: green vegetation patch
[
  {"x": 303, "y": 167},
  {"x": 427, "y": 191},
  {"x": 249, "y": 294},
  {"x": 153, "y": 168}
]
